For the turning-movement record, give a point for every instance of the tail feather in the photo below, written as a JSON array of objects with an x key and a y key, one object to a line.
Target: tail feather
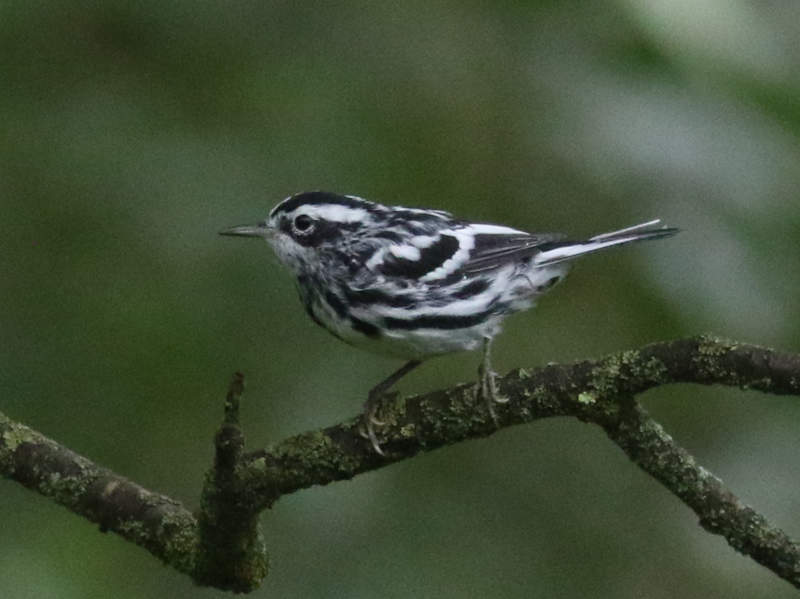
[{"x": 568, "y": 250}]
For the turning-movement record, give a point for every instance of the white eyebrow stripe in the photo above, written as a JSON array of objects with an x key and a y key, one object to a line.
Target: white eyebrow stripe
[{"x": 332, "y": 213}]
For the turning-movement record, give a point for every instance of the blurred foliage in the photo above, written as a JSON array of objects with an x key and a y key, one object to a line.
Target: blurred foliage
[{"x": 133, "y": 131}]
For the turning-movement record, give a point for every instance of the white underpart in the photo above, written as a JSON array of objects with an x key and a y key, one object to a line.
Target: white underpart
[
  {"x": 506, "y": 284},
  {"x": 464, "y": 307}
]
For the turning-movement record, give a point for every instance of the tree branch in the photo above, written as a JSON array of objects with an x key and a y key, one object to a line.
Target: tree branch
[
  {"x": 156, "y": 522},
  {"x": 231, "y": 552},
  {"x": 592, "y": 391},
  {"x": 223, "y": 548}
]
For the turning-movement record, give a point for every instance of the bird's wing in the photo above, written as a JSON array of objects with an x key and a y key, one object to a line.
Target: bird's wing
[
  {"x": 460, "y": 250},
  {"x": 442, "y": 254},
  {"x": 495, "y": 247}
]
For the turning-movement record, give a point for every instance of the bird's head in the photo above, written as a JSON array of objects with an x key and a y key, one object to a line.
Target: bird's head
[{"x": 303, "y": 225}]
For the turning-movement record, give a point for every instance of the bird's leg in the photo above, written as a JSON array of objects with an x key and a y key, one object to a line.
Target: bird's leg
[
  {"x": 488, "y": 388},
  {"x": 374, "y": 399}
]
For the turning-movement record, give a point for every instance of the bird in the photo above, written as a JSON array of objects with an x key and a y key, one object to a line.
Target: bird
[{"x": 415, "y": 283}]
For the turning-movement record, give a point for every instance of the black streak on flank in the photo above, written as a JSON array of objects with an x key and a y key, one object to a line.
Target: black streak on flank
[
  {"x": 430, "y": 259},
  {"x": 359, "y": 325},
  {"x": 336, "y": 304},
  {"x": 390, "y": 235},
  {"x": 440, "y": 321},
  {"x": 550, "y": 282},
  {"x": 472, "y": 289},
  {"x": 374, "y": 296},
  {"x": 370, "y": 330},
  {"x": 310, "y": 311}
]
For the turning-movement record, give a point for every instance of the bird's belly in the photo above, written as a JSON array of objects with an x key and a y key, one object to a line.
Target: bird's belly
[
  {"x": 425, "y": 343},
  {"x": 407, "y": 343},
  {"x": 430, "y": 326}
]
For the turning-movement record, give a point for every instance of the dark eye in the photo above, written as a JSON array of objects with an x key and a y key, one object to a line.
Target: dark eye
[{"x": 303, "y": 223}]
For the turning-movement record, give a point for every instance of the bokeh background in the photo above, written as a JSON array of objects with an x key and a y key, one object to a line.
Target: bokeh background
[{"x": 131, "y": 132}]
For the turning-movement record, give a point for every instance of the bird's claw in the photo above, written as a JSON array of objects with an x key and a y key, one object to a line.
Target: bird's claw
[
  {"x": 487, "y": 387},
  {"x": 370, "y": 421},
  {"x": 376, "y": 395}
]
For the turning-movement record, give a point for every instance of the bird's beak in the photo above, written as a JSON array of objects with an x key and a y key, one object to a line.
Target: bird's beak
[{"x": 260, "y": 230}]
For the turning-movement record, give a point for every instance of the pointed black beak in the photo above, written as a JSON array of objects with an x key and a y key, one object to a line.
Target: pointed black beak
[{"x": 246, "y": 231}]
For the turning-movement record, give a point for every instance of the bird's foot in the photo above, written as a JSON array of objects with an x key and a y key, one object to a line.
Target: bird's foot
[
  {"x": 487, "y": 390},
  {"x": 370, "y": 420},
  {"x": 373, "y": 403}
]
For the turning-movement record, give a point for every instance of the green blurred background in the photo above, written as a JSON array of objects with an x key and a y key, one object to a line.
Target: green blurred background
[{"x": 133, "y": 131}]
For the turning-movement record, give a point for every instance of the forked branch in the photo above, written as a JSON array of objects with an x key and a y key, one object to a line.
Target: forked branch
[{"x": 221, "y": 545}]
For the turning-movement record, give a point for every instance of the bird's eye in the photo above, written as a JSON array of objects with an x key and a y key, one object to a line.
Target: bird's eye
[{"x": 303, "y": 223}]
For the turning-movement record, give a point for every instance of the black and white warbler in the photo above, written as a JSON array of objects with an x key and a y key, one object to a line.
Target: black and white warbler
[{"x": 416, "y": 283}]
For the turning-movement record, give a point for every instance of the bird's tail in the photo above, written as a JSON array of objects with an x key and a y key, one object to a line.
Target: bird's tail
[{"x": 560, "y": 251}]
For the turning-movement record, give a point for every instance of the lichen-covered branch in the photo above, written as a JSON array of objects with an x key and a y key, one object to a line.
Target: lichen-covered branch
[
  {"x": 156, "y": 522},
  {"x": 592, "y": 390},
  {"x": 720, "y": 511},
  {"x": 600, "y": 392},
  {"x": 220, "y": 547},
  {"x": 231, "y": 551},
  {"x": 223, "y": 548}
]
